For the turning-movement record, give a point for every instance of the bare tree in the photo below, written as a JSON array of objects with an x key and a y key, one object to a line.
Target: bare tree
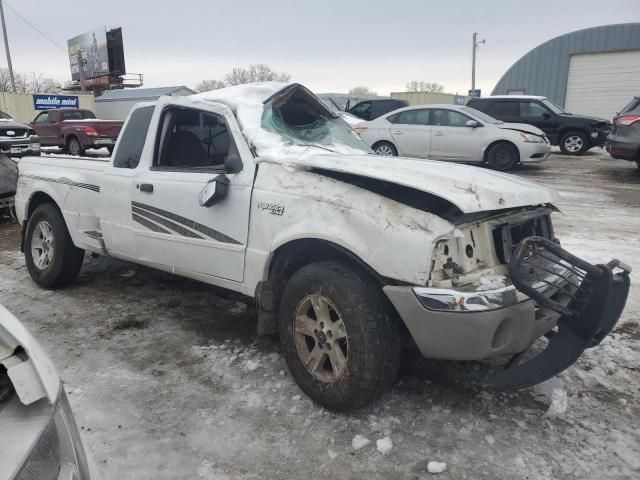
[
  {"x": 420, "y": 86},
  {"x": 255, "y": 73},
  {"x": 40, "y": 84},
  {"x": 24, "y": 84},
  {"x": 361, "y": 91},
  {"x": 208, "y": 85}
]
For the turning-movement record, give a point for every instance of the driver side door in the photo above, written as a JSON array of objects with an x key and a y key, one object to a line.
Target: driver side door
[{"x": 172, "y": 228}]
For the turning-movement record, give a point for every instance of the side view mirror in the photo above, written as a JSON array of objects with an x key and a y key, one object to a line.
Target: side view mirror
[
  {"x": 546, "y": 116},
  {"x": 215, "y": 190},
  {"x": 472, "y": 124},
  {"x": 233, "y": 163}
]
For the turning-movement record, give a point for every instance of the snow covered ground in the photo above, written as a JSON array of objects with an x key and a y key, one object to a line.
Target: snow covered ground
[{"x": 168, "y": 380}]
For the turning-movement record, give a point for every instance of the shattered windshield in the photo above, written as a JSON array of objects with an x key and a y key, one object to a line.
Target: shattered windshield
[{"x": 301, "y": 119}]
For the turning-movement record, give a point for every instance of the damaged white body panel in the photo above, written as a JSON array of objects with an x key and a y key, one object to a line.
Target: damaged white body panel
[{"x": 241, "y": 187}]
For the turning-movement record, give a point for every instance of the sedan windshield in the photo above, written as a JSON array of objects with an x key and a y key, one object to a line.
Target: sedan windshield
[
  {"x": 552, "y": 106},
  {"x": 483, "y": 117}
]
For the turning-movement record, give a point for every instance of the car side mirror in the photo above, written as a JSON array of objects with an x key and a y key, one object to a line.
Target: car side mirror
[
  {"x": 546, "y": 116},
  {"x": 215, "y": 190},
  {"x": 472, "y": 124},
  {"x": 233, "y": 163}
]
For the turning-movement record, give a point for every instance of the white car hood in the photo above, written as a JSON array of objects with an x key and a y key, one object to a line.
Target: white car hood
[
  {"x": 33, "y": 378},
  {"x": 521, "y": 127},
  {"x": 471, "y": 189}
]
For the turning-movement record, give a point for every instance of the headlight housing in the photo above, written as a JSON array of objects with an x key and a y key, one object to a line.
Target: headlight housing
[
  {"x": 531, "y": 138},
  {"x": 58, "y": 451}
]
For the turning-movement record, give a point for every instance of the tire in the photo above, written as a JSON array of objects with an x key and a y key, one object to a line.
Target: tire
[
  {"x": 502, "y": 156},
  {"x": 51, "y": 257},
  {"x": 368, "y": 336},
  {"x": 110, "y": 150},
  {"x": 74, "y": 147},
  {"x": 386, "y": 149},
  {"x": 574, "y": 143}
]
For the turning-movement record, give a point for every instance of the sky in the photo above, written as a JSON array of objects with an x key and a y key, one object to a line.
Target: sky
[{"x": 329, "y": 45}]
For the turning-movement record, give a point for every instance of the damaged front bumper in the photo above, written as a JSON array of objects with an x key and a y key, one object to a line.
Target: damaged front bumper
[{"x": 573, "y": 303}]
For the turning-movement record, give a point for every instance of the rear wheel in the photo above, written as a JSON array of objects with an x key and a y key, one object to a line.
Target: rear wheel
[
  {"x": 574, "y": 143},
  {"x": 503, "y": 156},
  {"x": 386, "y": 149},
  {"x": 338, "y": 335},
  {"x": 51, "y": 257},
  {"x": 74, "y": 147}
]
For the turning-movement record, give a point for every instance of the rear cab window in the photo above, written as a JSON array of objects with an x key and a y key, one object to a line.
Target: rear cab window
[{"x": 132, "y": 138}]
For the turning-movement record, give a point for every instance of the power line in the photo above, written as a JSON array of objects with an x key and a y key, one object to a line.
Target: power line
[{"x": 35, "y": 28}]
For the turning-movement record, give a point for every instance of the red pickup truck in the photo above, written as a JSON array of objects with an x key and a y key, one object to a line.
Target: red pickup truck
[{"x": 75, "y": 130}]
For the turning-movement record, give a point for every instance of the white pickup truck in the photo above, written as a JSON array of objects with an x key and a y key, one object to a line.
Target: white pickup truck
[{"x": 262, "y": 190}]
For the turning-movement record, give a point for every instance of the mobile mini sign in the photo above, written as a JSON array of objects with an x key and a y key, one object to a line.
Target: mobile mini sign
[{"x": 47, "y": 102}]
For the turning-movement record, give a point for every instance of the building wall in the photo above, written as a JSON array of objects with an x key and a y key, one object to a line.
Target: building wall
[
  {"x": 544, "y": 70},
  {"x": 20, "y": 105},
  {"x": 424, "y": 98}
]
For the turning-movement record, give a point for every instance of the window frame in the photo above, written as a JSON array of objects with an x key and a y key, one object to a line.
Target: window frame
[
  {"x": 160, "y": 145},
  {"x": 41, "y": 114},
  {"x": 539, "y": 104},
  {"x": 122, "y": 136}
]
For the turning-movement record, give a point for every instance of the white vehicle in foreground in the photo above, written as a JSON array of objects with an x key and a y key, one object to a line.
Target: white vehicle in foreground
[
  {"x": 38, "y": 436},
  {"x": 454, "y": 133},
  {"x": 262, "y": 190}
]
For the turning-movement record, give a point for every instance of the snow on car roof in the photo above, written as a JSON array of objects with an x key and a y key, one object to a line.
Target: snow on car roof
[{"x": 247, "y": 103}]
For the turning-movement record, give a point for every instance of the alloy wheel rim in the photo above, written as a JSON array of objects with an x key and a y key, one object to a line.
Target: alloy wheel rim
[
  {"x": 73, "y": 148},
  {"x": 573, "y": 143},
  {"x": 503, "y": 157},
  {"x": 384, "y": 150},
  {"x": 321, "y": 338},
  {"x": 42, "y": 245}
]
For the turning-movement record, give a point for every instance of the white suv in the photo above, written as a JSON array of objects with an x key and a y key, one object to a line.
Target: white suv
[{"x": 454, "y": 133}]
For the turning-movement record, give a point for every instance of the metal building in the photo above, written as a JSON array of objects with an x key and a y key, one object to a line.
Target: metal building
[
  {"x": 595, "y": 71},
  {"x": 116, "y": 104}
]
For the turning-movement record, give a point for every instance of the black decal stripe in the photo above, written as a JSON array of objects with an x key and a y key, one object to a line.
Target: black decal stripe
[
  {"x": 167, "y": 223},
  {"x": 148, "y": 224},
  {"x": 209, "y": 232},
  {"x": 66, "y": 181}
]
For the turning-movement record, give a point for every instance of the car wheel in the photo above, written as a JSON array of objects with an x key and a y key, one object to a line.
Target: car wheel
[
  {"x": 574, "y": 143},
  {"x": 74, "y": 147},
  {"x": 503, "y": 156},
  {"x": 338, "y": 336},
  {"x": 386, "y": 149},
  {"x": 51, "y": 257}
]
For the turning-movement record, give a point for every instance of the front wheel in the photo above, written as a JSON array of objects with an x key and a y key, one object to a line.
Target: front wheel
[
  {"x": 386, "y": 149},
  {"x": 51, "y": 257},
  {"x": 502, "y": 156},
  {"x": 574, "y": 143},
  {"x": 338, "y": 336}
]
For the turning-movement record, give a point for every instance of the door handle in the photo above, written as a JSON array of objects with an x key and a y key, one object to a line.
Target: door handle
[
  {"x": 146, "y": 187},
  {"x": 439, "y": 134},
  {"x": 397, "y": 133}
]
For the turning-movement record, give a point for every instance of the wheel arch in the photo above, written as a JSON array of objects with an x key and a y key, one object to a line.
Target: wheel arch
[
  {"x": 37, "y": 198},
  {"x": 287, "y": 259},
  {"x": 485, "y": 156}
]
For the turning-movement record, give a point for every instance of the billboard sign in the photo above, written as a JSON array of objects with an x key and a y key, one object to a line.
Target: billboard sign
[
  {"x": 47, "y": 102},
  {"x": 89, "y": 52}
]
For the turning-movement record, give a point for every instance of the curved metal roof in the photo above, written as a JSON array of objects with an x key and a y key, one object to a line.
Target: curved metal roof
[{"x": 544, "y": 70}]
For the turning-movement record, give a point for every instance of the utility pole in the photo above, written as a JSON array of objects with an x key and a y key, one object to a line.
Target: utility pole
[
  {"x": 6, "y": 47},
  {"x": 81, "y": 63},
  {"x": 476, "y": 43}
]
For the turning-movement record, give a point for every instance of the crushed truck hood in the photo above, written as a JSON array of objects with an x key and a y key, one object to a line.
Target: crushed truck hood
[{"x": 471, "y": 189}]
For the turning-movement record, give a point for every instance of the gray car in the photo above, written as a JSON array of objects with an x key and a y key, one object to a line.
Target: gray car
[{"x": 624, "y": 141}]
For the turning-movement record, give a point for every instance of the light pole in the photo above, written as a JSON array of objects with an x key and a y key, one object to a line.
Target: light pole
[
  {"x": 476, "y": 43},
  {"x": 6, "y": 48}
]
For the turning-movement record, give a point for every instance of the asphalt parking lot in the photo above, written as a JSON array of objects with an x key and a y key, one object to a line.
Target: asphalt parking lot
[{"x": 168, "y": 380}]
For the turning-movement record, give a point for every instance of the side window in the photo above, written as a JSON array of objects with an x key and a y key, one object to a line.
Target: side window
[
  {"x": 42, "y": 118},
  {"x": 131, "y": 142},
  {"x": 449, "y": 118},
  {"x": 502, "y": 110},
  {"x": 532, "y": 110},
  {"x": 412, "y": 117},
  {"x": 362, "y": 110},
  {"x": 193, "y": 139}
]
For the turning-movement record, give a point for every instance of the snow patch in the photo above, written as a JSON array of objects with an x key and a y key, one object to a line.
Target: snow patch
[
  {"x": 384, "y": 445},
  {"x": 359, "y": 442},
  {"x": 559, "y": 401},
  {"x": 436, "y": 467}
]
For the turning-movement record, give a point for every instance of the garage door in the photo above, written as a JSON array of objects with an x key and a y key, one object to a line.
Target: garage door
[{"x": 600, "y": 84}]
